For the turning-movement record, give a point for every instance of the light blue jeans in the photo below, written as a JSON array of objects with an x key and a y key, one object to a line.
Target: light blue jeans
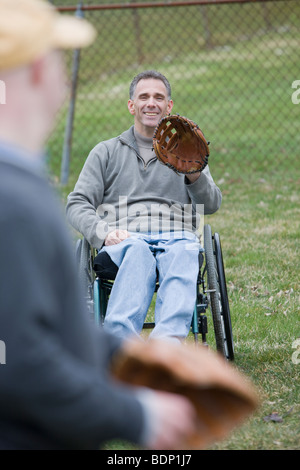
[{"x": 172, "y": 258}]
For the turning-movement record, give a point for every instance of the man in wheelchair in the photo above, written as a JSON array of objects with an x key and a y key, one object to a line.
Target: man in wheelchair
[{"x": 143, "y": 218}]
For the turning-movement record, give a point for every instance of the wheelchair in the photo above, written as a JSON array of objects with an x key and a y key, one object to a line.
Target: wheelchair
[{"x": 211, "y": 292}]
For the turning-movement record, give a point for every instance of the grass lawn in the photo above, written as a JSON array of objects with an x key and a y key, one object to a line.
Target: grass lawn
[{"x": 259, "y": 227}]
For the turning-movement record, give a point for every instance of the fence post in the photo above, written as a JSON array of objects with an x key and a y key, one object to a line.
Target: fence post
[
  {"x": 137, "y": 27},
  {"x": 65, "y": 164}
]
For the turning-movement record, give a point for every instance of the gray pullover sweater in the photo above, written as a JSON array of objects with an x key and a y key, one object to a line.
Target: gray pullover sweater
[{"x": 116, "y": 189}]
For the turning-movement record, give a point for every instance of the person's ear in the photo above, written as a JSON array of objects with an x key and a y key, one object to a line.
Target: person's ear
[
  {"x": 131, "y": 107},
  {"x": 170, "y": 106}
]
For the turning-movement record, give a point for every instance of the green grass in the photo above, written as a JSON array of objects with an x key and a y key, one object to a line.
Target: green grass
[
  {"x": 259, "y": 226},
  {"x": 255, "y": 161}
]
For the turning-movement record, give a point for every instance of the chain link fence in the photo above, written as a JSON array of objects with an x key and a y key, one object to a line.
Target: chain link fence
[{"x": 233, "y": 66}]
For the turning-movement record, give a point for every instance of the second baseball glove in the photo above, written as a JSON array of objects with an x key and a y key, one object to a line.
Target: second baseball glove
[
  {"x": 180, "y": 144},
  {"x": 222, "y": 396}
]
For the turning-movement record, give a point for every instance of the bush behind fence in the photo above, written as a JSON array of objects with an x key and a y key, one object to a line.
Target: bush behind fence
[{"x": 233, "y": 67}]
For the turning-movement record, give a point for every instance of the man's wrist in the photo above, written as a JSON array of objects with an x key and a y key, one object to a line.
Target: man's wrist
[{"x": 192, "y": 177}]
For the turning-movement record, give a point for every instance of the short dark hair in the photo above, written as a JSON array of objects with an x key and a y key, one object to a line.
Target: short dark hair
[{"x": 149, "y": 74}]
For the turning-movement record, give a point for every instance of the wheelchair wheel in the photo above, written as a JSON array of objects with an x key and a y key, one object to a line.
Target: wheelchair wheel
[
  {"x": 225, "y": 312},
  {"x": 216, "y": 288},
  {"x": 85, "y": 271}
]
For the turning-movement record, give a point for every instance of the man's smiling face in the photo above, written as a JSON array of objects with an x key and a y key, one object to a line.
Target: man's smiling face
[{"x": 149, "y": 104}]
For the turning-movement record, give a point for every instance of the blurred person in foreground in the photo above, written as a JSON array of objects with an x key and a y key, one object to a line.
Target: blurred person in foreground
[{"x": 55, "y": 388}]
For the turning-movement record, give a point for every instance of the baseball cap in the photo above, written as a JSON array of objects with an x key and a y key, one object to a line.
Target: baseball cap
[{"x": 31, "y": 28}]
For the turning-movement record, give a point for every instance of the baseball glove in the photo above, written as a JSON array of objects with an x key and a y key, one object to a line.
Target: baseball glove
[
  {"x": 180, "y": 144},
  {"x": 222, "y": 396}
]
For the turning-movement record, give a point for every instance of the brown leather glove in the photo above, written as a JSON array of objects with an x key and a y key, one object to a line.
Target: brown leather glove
[
  {"x": 180, "y": 144},
  {"x": 222, "y": 396}
]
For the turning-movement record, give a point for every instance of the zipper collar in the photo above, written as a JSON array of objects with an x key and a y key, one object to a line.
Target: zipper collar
[{"x": 128, "y": 138}]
